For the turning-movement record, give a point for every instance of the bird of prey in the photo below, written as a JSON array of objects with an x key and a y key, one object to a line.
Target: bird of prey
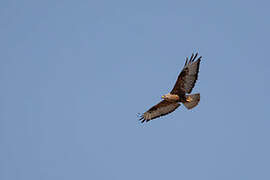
[{"x": 179, "y": 94}]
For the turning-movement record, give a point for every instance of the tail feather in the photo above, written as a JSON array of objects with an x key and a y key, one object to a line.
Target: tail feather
[{"x": 194, "y": 100}]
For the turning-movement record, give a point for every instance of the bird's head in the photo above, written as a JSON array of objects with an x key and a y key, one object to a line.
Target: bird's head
[{"x": 165, "y": 96}]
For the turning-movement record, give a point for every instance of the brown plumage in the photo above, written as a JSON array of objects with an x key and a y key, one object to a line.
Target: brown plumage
[{"x": 184, "y": 85}]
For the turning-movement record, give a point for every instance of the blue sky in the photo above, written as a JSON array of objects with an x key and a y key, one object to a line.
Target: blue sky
[{"x": 75, "y": 74}]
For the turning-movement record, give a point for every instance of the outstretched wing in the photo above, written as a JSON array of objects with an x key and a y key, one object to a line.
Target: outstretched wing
[
  {"x": 188, "y": 76},
  {"x": 160, "y": 109}
]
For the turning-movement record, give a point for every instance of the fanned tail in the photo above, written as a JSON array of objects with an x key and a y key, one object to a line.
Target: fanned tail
[{"x": 192, "y": 101}]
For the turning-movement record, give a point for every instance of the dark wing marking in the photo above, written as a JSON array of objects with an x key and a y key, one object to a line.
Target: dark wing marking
[
  {"x": 160, "y": 109},
  {"x": 188, "y": 76}
]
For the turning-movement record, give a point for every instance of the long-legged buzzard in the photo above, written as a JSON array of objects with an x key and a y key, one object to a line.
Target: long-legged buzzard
[{"x": 183, "y": 86}]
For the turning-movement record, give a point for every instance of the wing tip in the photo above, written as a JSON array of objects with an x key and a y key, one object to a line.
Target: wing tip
[
  {"x": 193, "y": 58},
  {"x": 142, "y": 118}
]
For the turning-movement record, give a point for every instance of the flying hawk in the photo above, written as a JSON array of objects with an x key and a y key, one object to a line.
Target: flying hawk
[{"x": 183, "y": 86}]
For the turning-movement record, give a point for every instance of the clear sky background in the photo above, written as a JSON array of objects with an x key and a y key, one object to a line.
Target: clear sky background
[{"x": 74, "y": 74}]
